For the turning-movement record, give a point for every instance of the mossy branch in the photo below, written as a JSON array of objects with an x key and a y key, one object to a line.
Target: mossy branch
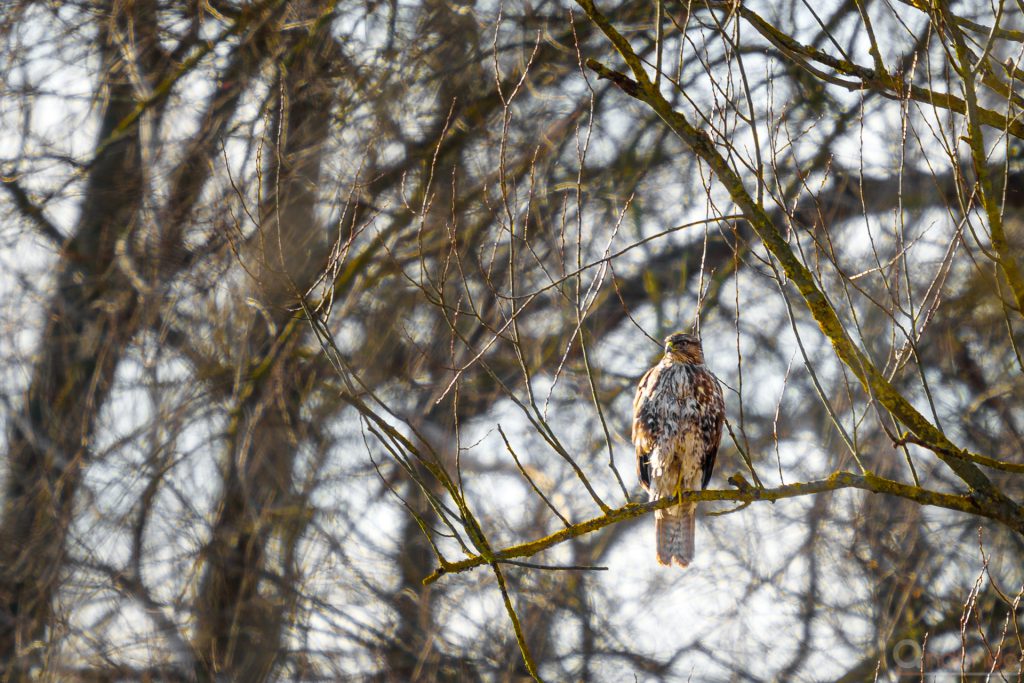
[
  {"x": 877, "y": 79},
  {"x": 1005, "y": 254},
  {"x": 743, "y": 493}
]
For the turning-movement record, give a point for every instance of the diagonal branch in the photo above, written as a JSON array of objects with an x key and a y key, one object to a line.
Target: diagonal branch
[
  {"x": 31, "y": 210},
  {"x": 1005, "y": 255},
  {"x": 878, "y": 80}
]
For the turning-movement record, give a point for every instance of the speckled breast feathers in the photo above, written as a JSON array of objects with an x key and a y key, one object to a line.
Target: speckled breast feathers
[
  {"x": 678, "y": 413},
  {"x": 677, "y": 425}
]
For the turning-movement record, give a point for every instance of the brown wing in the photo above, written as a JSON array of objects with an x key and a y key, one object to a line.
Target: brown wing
[
  {"x": 712, "y": 416},
  {"x": 644, "y": 434}
]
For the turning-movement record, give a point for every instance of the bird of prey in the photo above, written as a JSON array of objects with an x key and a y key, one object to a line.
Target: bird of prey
[{"x": 677, "y": 424}]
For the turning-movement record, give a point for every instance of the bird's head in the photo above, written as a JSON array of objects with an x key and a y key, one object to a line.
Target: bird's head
[{"x": 684, "y": 348}]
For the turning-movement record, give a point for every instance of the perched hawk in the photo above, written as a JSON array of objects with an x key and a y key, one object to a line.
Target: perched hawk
[{"x": 677, "y": 424}]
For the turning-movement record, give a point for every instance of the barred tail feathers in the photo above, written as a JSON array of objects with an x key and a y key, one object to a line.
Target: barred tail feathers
[{"x": 675, "y": 529}]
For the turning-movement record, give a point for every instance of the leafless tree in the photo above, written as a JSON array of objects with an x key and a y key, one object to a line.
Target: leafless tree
[{"x": 322, "y": 322}]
